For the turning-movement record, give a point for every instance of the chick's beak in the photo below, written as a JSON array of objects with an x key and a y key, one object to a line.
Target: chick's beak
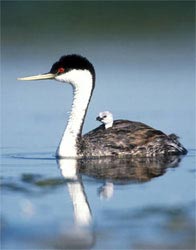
[{"x": 98, "y": 118}]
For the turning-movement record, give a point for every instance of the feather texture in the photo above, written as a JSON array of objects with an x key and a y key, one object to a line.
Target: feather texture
[{"x": 129, "y": 138}]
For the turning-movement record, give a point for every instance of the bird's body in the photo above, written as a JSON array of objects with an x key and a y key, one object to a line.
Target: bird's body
[
  {"x": 124, "y": 138},
  {"x": 129, "y": 138}
]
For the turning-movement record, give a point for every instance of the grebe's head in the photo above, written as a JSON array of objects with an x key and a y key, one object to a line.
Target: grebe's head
[
  {"x": 106, "y": 118},
  {"x": 69, "y": 68}
]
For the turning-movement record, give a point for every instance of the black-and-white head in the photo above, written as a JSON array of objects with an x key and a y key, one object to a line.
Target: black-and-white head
[
  {"x": 106, "y": 118},
  {"x": 71, "y": 65},
  {"x": 73, "y": 69}
]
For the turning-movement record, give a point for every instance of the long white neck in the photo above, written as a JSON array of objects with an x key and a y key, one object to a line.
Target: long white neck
[{"x": 82, "y": 83}]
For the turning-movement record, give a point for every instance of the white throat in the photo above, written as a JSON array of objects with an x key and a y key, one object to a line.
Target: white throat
[{"x": 82, "y": 83}]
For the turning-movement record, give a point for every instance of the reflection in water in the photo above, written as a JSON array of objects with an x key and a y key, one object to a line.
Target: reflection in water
[
  {"x": 82, "y": 236},
  {"x": 112, "y": 170},
  {"x": 106, "y": 191},
  {"x": 69, "y": 170},
  {"x": 122, "y": 170}
]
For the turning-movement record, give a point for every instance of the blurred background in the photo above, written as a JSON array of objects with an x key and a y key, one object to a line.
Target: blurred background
[
  {"x": 143, "y": 53},
  {"x": 144, "y": 56}
]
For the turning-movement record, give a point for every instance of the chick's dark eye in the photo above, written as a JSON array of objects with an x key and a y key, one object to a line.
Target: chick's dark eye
[{"x": 61, "y": 70}]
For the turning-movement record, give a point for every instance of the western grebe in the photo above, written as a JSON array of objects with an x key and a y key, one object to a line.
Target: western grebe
[
  {"x": 124, "y": 138},
  {"x": 106, "y": 118}
]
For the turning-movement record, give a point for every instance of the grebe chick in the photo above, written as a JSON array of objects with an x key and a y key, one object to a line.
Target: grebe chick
[
  {"x": 125, "y": 138},
  {"x": 106, "y": 118}
]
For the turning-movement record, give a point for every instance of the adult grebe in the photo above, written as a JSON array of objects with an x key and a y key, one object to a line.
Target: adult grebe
[
  {"x": 124, "y": 138},
  {"x": 106, "y": 118}
]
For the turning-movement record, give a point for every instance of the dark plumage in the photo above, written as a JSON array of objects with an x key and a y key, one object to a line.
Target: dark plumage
[{"x": 129, "y": 138}]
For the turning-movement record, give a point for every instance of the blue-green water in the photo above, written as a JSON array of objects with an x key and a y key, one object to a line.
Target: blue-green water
[
  {"x": 144, "y": 56},
  {"x": 148, "y": 206}
]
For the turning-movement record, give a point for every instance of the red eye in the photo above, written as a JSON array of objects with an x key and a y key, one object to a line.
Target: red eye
[{"x": 61, "y": 70}]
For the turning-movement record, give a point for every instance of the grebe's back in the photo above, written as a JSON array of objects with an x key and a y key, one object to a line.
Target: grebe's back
[{"x": 129, "y": 138}]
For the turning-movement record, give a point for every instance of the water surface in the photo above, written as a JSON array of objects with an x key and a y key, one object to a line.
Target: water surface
[{"x": 144, "y": 55}]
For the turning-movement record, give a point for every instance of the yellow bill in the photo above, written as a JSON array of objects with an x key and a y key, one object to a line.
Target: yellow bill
[{"x": 37, "y": 77}]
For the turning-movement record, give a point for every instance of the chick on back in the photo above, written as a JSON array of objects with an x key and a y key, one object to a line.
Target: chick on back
[{"x": 106, "y": 118}]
